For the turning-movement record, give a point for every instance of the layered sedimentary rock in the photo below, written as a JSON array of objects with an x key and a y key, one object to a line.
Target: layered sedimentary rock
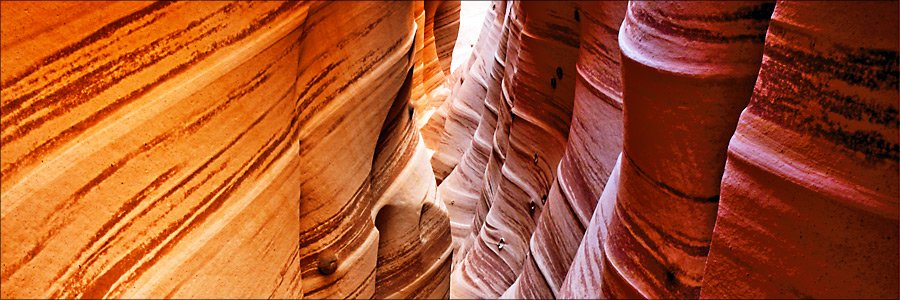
[
  {"x": 500, "y": 136},
  {"x": 584, "y": 150},
  {"x": 584, "y": 279},
  {"x": 466, "y": 103},
  {"x": 809, "y": 203},
  {"x": 139, "y": 157},
  {"x": 441, "y": 26},
  {"x": 595, "y": 140},
  {"x": 688, "y": 69},
  {"x": 348, "y": 193},
  {"x": 461, "y": 189},
  {"x": 540, "y": 96},
  {"x": 215, "y": 149}
]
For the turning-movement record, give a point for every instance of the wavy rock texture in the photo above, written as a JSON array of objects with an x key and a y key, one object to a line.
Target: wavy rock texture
[
  {"x": 461, "y": 189},
  {"x": 595, "y": 140},
  {"x": 584, "y": 278},
  {"x": 688, "y": 69},
  {"x": 151, "y": 150},
  {"x": 651, "y": 149},
  {"x": 441, "y": 27},
  {"x": 341, "y": 211},
  {"x": 809, "y": 202},
  {"x": 541, "y": 105},
  {"x": 138, "y": 158},
  {"x": 466, "y": 103}
]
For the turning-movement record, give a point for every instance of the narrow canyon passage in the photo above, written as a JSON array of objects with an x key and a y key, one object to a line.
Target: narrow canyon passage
[{"x": 447, "y": 149}]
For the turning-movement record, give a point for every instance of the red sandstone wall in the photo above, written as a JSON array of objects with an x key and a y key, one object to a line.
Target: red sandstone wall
[
  {"x": 809, "y": 203},
  {"x": 803, "y": 134},
  {"x": 586, "y": 149}
]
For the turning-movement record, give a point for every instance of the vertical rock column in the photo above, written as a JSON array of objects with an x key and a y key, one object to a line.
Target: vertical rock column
[
  {"x": 541, "y": 102},
  {"x": 466, "y": 103},
  {"x": 688, "y": 69},
  {"x": 595, "y": 140},
  {"x": 418, "y": 98},
  {"x": 461, "y": 189},
  {"x": 441, "y": 29},
  {"x": 500, "y": 135},
  {"x": 349, "y": 78},
  {"x": 809, "y": 204},
  {"x": 584, "y": 278},
  {"x": 414, "y": 236},
  {"x": 446, "y": 29}
]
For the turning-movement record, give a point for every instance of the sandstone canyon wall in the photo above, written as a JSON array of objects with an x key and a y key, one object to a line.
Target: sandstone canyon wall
[
  {"x": 219, "y": 150},
  {"x": 585, "y": 149},
  {"x": 777, "y": 109}
]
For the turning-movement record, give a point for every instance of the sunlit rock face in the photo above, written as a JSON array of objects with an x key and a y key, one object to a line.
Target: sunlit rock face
[
  {"x": 218, "y": 150},
  {"x": 540, "y": 96},
  {"x": 585, "y": 149}
]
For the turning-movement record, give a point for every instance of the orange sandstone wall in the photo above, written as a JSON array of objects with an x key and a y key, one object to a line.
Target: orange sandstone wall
[
  {"x": 216, "y": 150},
  {"x": 586, "y": 149}
]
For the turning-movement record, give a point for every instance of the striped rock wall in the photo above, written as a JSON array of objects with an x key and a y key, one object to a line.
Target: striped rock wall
[
  {"x": 439, "y": 37},
  {"x": 215, "y": 150},
  {"x": 645, "y": 149},
  {"x": 687, "y": 72},
  {"x": 809, "y": 205},
  {"x": 466, "y": 103},
  {"x": 461, "y": 189},
  {"x": 595, "y": 139},
  {"x": 791, "y": 127},
  {"x": 540, "y": 96}
]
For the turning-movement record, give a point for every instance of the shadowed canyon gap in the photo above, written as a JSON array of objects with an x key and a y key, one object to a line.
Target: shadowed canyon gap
[{"x": 584, "y": 149}]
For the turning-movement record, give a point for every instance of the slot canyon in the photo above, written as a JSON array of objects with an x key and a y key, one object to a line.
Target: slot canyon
[{"x": 447, "y": 149}]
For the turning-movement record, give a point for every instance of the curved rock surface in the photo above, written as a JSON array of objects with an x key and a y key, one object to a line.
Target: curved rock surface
[
  {"x": 585, "y": 149},
  {"x": 461, "y": 189},
  {"x": 466, "y": 103},
  {"x": 809, "y": 204},
  {"x": 540, "y": 97},
  {"x": 595, "y": 140},
  {"x": 151, "y": 150},
  {"x": 146, "y": 147},
  {"x": 436, "y": 63},
  {"x": 688, "y": 69}
]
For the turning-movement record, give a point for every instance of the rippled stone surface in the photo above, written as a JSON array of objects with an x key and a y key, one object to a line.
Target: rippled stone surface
[
  {"x": 585, "y": 149},
  {"x": 595, "y": 140},
  {"x": 540, "y": 110},
  {"x": 216, "y": 150}
]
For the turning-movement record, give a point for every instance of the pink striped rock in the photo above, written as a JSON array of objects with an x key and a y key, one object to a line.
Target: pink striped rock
[
  {"x": 466, "y": 103},
  {"x": 688, "y": 69},
  {"x": 809, "y": 205},
  {"x": 595, "y": 140},
  {"x": 584, "y": 278},
  {"x": 461, "y": 190},
  {"x": 541, "y": 107},
  {"x": 499, "y": 136}
]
